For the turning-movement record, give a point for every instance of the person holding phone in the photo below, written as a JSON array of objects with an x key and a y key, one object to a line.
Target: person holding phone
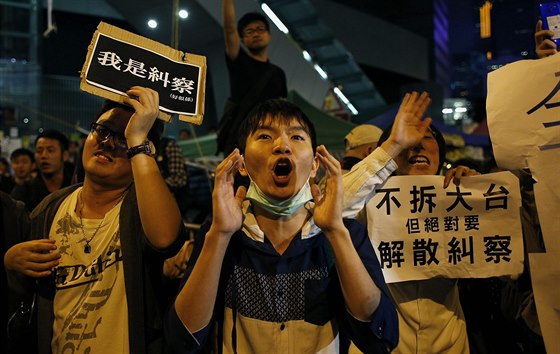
[{"x": 544, "y": 45}]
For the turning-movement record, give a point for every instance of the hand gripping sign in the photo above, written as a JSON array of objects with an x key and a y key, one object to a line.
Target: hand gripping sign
[{"x": 117, "y": 60}]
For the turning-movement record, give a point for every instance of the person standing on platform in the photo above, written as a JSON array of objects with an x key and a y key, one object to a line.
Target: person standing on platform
[{"x": 252, "y": 77}]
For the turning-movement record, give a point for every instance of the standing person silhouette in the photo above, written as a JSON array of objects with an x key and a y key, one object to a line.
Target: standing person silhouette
[{"x": 252, "y": 77}]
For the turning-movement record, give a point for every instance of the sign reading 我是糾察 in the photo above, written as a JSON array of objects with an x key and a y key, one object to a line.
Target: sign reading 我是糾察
[{"x": 118, "y": 60}]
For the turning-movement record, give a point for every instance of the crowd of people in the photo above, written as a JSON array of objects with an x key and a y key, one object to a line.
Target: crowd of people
[{"x": 97, "y": 257}]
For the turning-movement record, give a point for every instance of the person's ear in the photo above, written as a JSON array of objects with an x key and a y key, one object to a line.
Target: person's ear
[
  {"x": 314, "y": 168},
  {"x": 65, "y": 155},
  {"x": 243, "y": 170}
]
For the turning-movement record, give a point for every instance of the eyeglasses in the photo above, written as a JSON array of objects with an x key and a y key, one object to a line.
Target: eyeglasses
[
  {"x": 252, "y": 31},
  {"x": 105, "y": 133}
]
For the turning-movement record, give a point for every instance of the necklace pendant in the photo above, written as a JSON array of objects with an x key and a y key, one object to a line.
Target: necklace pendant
[{"x": 87, "y": 248}]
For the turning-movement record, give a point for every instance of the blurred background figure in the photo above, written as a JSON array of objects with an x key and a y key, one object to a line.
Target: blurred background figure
[
  {"x": 173, "y": 169},
  {"x": 73, "y": 151},
  {"x": 184, "y": 134},
  {"x": 6, "y": 181},
  {"x": 14, "y": 224},
  {"x": 359, "y": 143},
  {"x": 4, "y": 166},
  {"x": 23, "y": 165},
  {"x": 51, "y": 155}
]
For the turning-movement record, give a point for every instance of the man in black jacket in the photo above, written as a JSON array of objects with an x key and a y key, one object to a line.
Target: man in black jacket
[{"x": 96, "y": 250}]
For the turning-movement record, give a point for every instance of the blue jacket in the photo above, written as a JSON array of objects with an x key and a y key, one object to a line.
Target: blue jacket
[{"x": 269, "y": 302}]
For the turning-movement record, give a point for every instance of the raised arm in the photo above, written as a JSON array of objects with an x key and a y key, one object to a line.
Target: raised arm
[
  {"x": 195, "y": 303},
  {"x": 231, "y": 36},
  {"x": 159, "y": 212},
  {"x": 361, "y": 295},
  {"x": 408, "y": 129},
  {"x": 544, "y": 46}
]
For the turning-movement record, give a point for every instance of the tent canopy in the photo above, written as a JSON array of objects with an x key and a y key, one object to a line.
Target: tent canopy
[
  {"x": 330, "y": 131},
  {"x": 385, "y": 119}
]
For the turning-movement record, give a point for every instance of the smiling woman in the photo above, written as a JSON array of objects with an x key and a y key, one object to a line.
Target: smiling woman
[
  {"x": 426, "y": 157},
  {"x": 431, "y": 318}
]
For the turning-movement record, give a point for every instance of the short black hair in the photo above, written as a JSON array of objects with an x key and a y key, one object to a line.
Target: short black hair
[
  {"x": 155, "y": 131},
  {"x": 55, "y": 135},
  {"x": 22, "y": 152},
  {"x": 276, "y": 108},
  {"x": 437, "y": 135},
  {"x": 5, "y": 162},
  {"x": 251, "y": 17}
]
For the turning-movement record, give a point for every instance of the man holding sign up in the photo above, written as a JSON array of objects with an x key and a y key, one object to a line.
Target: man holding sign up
[{"x": 95, "y": 253}]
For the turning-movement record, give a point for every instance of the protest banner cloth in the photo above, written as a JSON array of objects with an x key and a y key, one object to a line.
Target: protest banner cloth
[
  {"x": 117, "y": 60},
  {"x": 523, "y": 109},
  {"x": 422, "y": 230}
]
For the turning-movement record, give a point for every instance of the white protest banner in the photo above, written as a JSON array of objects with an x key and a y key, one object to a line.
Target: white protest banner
[
  {"x": 117, "y": 60},
  {"x": 421, "y": 230},
  {"x": 523, "y": 108}
]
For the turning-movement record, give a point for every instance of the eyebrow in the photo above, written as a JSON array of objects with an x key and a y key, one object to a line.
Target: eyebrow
[
  {"x": 289, "y": 128},
  {"x": 110, "y": 124}
]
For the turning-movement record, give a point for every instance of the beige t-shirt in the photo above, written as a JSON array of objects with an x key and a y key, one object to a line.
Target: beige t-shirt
[
  {"x": 90, "y": 307},
  {"x": 431, "y": 319}
]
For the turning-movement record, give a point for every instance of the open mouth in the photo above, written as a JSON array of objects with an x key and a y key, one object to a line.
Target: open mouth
[
  {"x": 45, "y": 165},
  {"x": 282, "y": 168},
  {"x": 419, "y": 160},
  {"x": 103, "y": 155}
]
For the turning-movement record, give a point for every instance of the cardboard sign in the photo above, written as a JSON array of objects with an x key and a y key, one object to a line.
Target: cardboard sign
[
  {"x": 421, "y": 230},
  {"x": 117, "y": 60}
]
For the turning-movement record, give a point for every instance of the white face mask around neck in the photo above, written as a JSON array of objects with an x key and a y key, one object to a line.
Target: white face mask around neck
[{"x": 279, "y": 207}]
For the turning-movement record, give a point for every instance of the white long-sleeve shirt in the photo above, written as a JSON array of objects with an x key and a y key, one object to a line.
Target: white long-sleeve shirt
[
  {"x": 431, "y": 319},
  {"x": 362, "y": 180}
]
